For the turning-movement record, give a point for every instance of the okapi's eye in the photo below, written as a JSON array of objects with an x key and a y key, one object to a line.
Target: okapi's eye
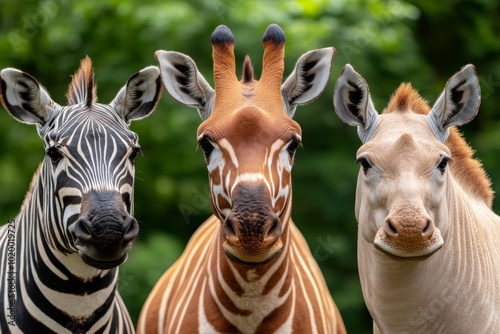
[
  {"x": 443, "y": 164},
  {"x": 293, "y": 145},
  {"x": 54, "y": 155},
  {"x": 135, "y": 151},
  {"x": 364, "y": 164},
  {"x": 206, "y": 145}
]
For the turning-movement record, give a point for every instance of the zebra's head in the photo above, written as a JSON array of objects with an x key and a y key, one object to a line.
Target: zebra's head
[
  {"x": 87, "y": 175},
  {"x": 248, "y": 135}
]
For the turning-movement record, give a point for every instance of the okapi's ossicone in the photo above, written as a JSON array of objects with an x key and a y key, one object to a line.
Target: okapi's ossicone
[
  {"x": 428, "y": 241},
  {"x": 76, "y": 225},
  {"x": 247, "y": 269}
]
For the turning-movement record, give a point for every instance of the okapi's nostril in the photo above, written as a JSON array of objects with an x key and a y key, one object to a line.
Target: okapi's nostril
[
  {"x": 273, "y": 229},
  {"x": 229, "y": 229}
]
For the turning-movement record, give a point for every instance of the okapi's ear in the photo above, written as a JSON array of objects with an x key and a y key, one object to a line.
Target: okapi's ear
[
  {"x": 308, "y": 79},
  {"x": 184, "y": 82},
  {"x": 457, "y": 104},
  {"x": 353, "y": 103},
  {"x": 24, "y": 98},
  {"x": 138, "y": 98}
]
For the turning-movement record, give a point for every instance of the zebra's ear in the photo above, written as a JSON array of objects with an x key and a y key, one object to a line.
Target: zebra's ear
[
  {"x": 184, "y": 82},
  {"x": 457, "y": 104},
  {"x": 308, "y": 79},
  {"x": 24, "y": 98},
  {"x": 138, "y": 98},
  {"x": 353, "y": 103}
]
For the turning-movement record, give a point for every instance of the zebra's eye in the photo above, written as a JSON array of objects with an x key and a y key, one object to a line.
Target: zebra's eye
[
  {"x": 206, "y": 145},
  {"x": 135, "y": 151},
  {"x": 54, "y": 155},
  {"x": 364, "y": 164},
  {"x": 293, "y": 145}
]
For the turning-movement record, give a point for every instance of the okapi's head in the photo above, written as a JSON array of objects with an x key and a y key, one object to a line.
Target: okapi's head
[
  {"x": 411, "y": 157},
  {"x": 88, "y": 171},
  {"x": 248, "y": 136}
]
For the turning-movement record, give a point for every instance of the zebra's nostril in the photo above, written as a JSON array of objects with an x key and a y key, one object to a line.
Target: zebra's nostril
[
  {"x": 82, "y": 229},
  {"x": 131, "y": 229}
]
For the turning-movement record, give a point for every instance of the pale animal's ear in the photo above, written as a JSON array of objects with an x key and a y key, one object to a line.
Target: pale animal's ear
[
  {"x": 353, "y": 103},
  {"x": 308, "y": 79},
  {"x": 24, "y": 98},
  {"x": 457, "y": 104},
  {"x": 138, "y": 98},
  {"x": 184, "y": 82}
]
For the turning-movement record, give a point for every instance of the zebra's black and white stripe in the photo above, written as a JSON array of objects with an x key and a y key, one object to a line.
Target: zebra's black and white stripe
[{"x": 58, "y": 270}]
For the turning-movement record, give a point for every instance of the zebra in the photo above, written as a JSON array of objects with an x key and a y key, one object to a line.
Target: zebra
[
  {"x": 61, "y": 252},
  {"x": 247, "y": 269}
]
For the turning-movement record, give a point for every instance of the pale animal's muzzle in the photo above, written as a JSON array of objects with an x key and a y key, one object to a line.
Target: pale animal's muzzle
[{"x": 408, "y": 233}]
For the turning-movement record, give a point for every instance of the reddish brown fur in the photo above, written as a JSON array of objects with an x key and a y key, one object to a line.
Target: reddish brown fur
[
  {"x": 83, "y": 81},
  {"x": 248, "y": 74},
  {"x": 273, "y": 66},
  {"x": 468, "y": 171}
]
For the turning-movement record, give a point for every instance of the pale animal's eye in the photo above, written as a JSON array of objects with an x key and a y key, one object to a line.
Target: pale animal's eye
[
  {"x": 293, "y": 145},
  {"x": 443, "y": 164},
  {"x": 54, "y": 155},
  {"x": 364, "y": 164},
  {"x": 206, "y": 145}
]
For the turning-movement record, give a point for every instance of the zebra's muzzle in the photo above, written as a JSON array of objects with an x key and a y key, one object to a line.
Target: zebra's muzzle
[{"x": 104, "y": 232}]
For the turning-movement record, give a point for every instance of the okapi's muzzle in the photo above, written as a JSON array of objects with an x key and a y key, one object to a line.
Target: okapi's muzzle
[
  {"x": 252, "y": 230},
  {"x": 104, "y": 232}
]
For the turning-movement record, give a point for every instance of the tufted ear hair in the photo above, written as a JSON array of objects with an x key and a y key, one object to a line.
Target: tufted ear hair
[
  {"x": 138, "y": 98},
  {"x": 308, "y": 79},
  {"x": 184, "y": 82},
  {"x": 24, "y": 98},
  {"x": 457, "y": 104},
  {"x": 353, "y": 104}
]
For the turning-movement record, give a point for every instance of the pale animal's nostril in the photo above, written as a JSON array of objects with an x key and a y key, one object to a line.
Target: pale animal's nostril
[
  {"x": 391, "y": 227},
  {"x": 428, "y": 230},
  {"x": 427, "y": 227}
]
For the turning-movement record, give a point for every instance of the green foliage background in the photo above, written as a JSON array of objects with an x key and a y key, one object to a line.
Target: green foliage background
[{"x": 388, "y": 42}]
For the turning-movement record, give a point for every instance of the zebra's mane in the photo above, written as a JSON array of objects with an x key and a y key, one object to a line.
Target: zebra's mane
[{"x": 82, "y": 88}]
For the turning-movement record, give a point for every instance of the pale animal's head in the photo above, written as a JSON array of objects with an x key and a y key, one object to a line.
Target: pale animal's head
[
  {"x": 248, "y": 136},
  {"x": 88, "y": 170},
  {"x": 408, "y": 156}
]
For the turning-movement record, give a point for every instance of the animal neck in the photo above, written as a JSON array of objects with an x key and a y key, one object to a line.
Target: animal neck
[
  {"x": 431, "y": 290},
  {"x": 246, "y": 294}
]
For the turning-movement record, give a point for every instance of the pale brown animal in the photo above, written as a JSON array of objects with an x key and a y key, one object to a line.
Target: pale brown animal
[{"x": 428, "y": 241}]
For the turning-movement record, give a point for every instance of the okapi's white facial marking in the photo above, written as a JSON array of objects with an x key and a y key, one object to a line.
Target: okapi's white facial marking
[
  {"x": 224, "y": 164},
  {"x": 248, "y": 136}
]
